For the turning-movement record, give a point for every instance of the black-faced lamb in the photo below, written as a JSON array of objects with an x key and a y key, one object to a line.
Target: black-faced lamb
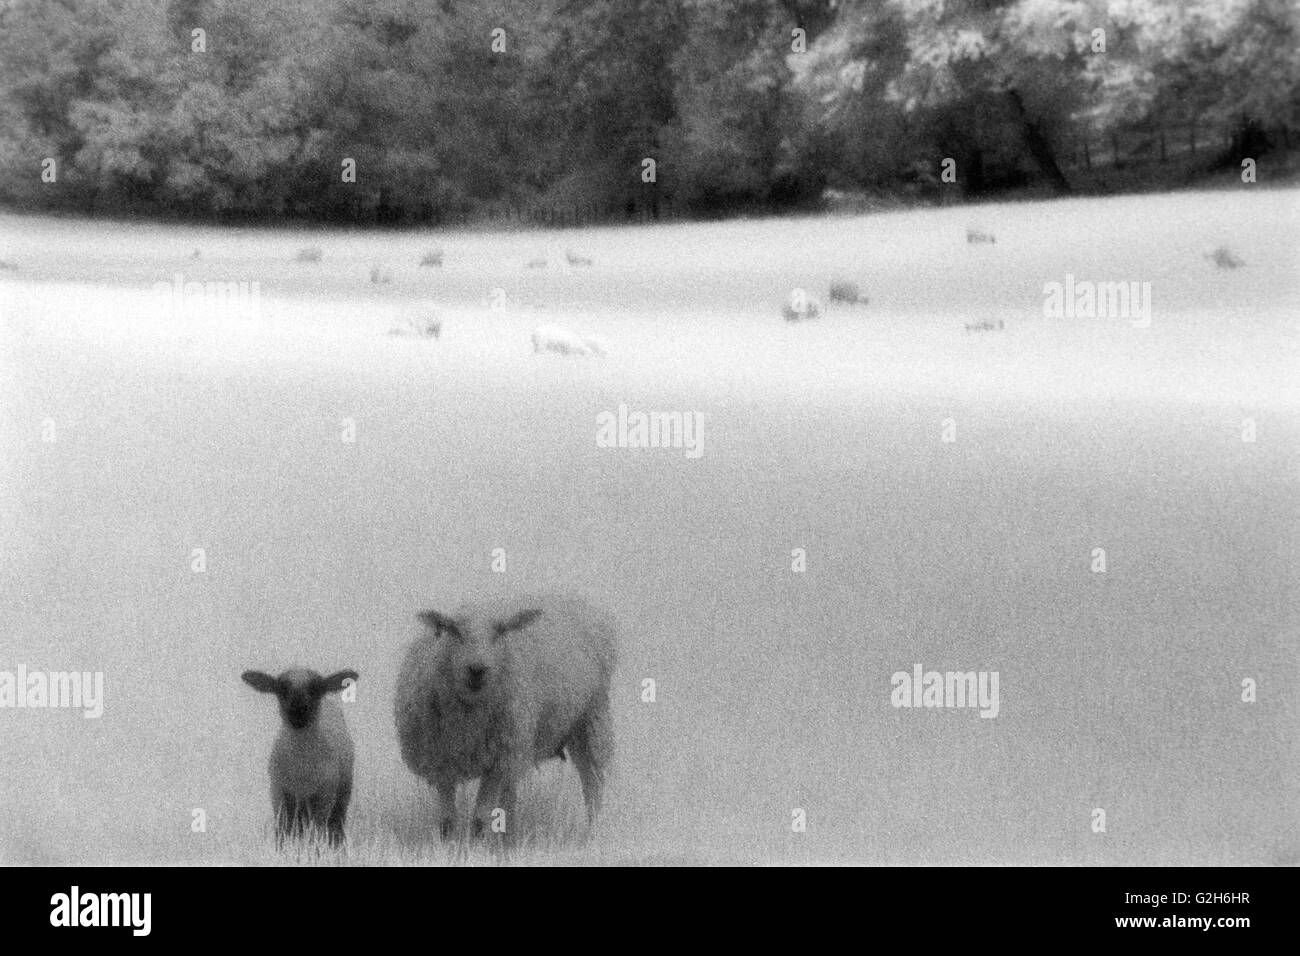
[{"x": 311, "y": 762}]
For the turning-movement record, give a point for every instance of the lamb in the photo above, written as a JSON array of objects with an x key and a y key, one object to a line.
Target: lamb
[
  {"x": 554, "y": 338},
  {"x": 311, "y": 763},
  {"x": 488, "y": 691}
]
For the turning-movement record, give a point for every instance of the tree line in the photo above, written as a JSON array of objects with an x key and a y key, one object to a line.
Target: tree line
[{"x": 451, "y": 110}]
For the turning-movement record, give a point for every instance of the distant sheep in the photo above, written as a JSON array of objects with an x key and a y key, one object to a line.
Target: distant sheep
[
  {"x": 801, "y": 306},
  {"x": 308, "y": 254},
  {"x": 1224, "y": 258},
  {"x": 576, "y": 260},
  {"x": 380, "y": 276},
  {"x": 488, "y": 692},
  {"x": 426, "y": 326},
  {"x": 432, "y": 258},
  {"x": 984, "y": 326},
  {"x": 845, "y": 291},
  {"x": 311, "y": 763},
  {"x": 536, "y": 264},
  {"x": 553, "y": 338},
  {"x": 976, "y": 236}
]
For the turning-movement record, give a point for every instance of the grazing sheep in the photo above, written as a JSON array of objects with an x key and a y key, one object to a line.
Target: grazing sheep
[
  {"x": 976, "y": 236},
  {"x": 7, "y": 266},
  {"x": 428, "y": 326},
  {"x": 984, "y": 326},
  {"x": 536, "y": 264},
  {"x": 1224, "y": 258},
  {"x": 432, "y": 258},
  {"x": 308, "y": 254},
  {"x": 490, "y": 691},
  {"x": 845, "y": 291},
  {"x": 799, "y": 307},
  {"x": 311, "y": 763},
  {"x": 554, "y": 338},
  {"x": 380, "y": 276},
  {"x": 576, "y": 260}
]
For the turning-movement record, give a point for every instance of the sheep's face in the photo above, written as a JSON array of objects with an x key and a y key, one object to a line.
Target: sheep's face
[
  {"x": 299, "y": 692},
  {"x": 471, "y": 651}
]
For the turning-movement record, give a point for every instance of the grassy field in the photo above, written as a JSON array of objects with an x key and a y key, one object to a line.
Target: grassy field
[{"x": 135, "y": 434}]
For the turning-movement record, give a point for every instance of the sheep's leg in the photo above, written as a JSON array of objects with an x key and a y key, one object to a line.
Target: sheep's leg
[
  {"x": 288, "y": 818},
  {"x": 592, "y": 748},
  {"x": 446, "y": 809},
  {"x": 496, "y": 791},
  {"x": 339, "y": 813}
]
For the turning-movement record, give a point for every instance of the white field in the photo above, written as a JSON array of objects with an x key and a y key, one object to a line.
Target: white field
[{"x": 1119, "y": 690}]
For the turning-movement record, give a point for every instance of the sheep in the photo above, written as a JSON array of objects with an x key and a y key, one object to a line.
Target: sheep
[
  {"x": 427, "y": 326},
  {"x": 380, "y": 276},
  {"x": 433, "y": 257},
  {"x": 311, "y": 762},
  {"x": 801, "y": 306},
  {"x": 576, "y": 260},
  {"x": 1224, "y": 258},
  {"x": 308, "y": 254},
  {"x": 535, "y": 264},
  {"x": 976, "y": 236},
  {"x": 554, "y": 338},
  {"x": 985, "y": 326},
  {"x": 844, "y": 291},
  {"x": 489, "y": 690}
]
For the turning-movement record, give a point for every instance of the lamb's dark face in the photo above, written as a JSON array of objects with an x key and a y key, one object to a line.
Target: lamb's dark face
[
  {"x": 471, "y": 651},
  {"x": 299, "y": 695},
  {"x": 299, "y": 692}
]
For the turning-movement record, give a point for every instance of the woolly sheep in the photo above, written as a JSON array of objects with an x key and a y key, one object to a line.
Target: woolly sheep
[
  {"x": 555, "y": 338},
  {"x": 311, "y": 762},
  {"x": 844, "y": 291},
  {"x": 976, "y": 236},
  {"x": 801, "y": 306},
  {"x": 985, "y": 326},
  {"x": 432, "y": 257},
  {"x": 576, "y": 260},
  {"x": 489, "y": 691},
  {"x": 308, "y": 254},
  {"x": 536, "y": 264}
]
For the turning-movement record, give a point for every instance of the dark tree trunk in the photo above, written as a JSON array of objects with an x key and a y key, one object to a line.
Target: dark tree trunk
[{"x": 1039, "y": 148}]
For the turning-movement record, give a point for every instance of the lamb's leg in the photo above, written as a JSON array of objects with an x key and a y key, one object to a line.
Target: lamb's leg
[
  {"x": 339, "y": 813},
  {"x": 284, "y": 806},
  {"x": 592, "y": 749},
  {"x": 446, "y": 808}
]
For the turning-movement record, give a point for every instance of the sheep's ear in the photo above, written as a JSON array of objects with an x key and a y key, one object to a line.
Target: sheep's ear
[
  {"x": 335, "y": 682},
  {"x": 263, "y": 682},
  {"x": 520, "y": 620},
  {"x": 438, "y": 621}
]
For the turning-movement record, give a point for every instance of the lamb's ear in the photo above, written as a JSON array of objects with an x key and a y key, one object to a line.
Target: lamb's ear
[
  {"x": 336, "y": 682},
  {"x": 263, "y": 682},
  {"x": 438, "y": 621},
  {"x": 520, "y": 620}
]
